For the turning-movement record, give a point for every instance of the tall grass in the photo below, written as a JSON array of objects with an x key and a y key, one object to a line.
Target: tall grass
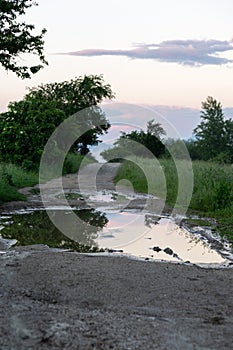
[
  {"x": 162, "y": 176},
  {"x": 13, "y": 177},
  {"x": 213, "y": 183},
  {"x": 213, "y": 187},
  {"x": 74, "y": 161}
]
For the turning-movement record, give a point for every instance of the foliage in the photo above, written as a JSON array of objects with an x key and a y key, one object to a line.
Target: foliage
[
  {"x": 213, "y": 185},
  {"x": 181, "y": 149},
  {"x": 213, "y": 190},
  {"x": 74, "y": 95},
  {"x": 70, "y": 97},
  {"x": 27, "y": 125},
  {"x": 138, "y": 170},
  {"x": 116, "y": 154},
  {"x": 25, "y": 129},
  {"x": 132, "y": 171},
  {"x": 155, "y": 129},
  {"x": 139, "y": 143},
  {"x": 175, "y": 148},
  {"x": 9, "y": 193},
  {"x": 17, "y": 38},
  {"x": 193, "y": 149},
  {"x": 214, "y": 134},
  {"x": 225, "y": 225},
  {"x": 13, "y": 177},
  {"x": 74, "y": 161}
]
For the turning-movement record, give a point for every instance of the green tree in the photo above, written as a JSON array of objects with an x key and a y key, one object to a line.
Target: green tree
[
  {"x": 141, "y": 138},
  {"x": 139, "y": 143},
  {"x": 181, "y": 149},
  {"x": 193, "y": 149},
  {"x": 75, "y": 95},
  {"x": 25, "y": 129},
  {"x": 27, "y": 125},
  {"x": 17, "y": 38},
  {"x": 211, "y": 134},
  {"x": 151, "y": 140}
]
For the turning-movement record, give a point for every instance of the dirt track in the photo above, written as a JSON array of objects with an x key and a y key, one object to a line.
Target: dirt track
[
  {"x": 92, "y": 175},
  {"x": 63, "y": 300},
  {"x": 52, "y": 300}
]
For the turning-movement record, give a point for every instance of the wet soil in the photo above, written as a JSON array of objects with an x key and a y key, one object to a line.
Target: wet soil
[
  {"x": 70, "y": 182},
  {"x": 65, "y": 300}
]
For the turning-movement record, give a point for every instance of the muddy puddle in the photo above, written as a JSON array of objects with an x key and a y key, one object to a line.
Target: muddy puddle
[{"x": 132, "y": 232}]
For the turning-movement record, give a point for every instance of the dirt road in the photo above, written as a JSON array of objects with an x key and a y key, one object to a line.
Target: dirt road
[{"x": 62, "y": 300}]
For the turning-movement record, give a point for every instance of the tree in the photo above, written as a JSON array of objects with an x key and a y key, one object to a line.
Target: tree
[
  {"x": 139, "y": 143},
  {"x": 151, "y": 140},
  {"x": 16, "y": 38},
  {"x": 25, "y": 129},
  {"x": 155, "y": 129},
  {"x": 27, "y": 125},
  {"x": 193, "y": 149},
  {"x": 75, "y": 95},
  {"x": 211, "y": 134},
  {"x": 141, "y": 138}
]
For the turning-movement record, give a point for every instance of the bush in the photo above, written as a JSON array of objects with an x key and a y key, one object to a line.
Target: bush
[
  {"x": 74, "y": 161},
  {"x": 115, "y": 154}
]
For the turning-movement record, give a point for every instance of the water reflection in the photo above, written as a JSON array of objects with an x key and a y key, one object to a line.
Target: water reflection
[
  {"x": 153, "y": 237},
  {"x": 36, "y": 228},
  {"x": 135, "y": 233}
]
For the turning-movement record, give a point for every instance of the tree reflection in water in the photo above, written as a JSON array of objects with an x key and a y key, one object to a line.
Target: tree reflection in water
[{"x": 36, "y": 228}]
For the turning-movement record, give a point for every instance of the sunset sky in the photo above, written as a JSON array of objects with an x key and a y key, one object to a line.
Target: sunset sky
[{"x": 159, "y": 53}]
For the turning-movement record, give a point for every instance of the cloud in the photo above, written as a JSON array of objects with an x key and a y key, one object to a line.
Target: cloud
[{"x": 185, "y": 52}]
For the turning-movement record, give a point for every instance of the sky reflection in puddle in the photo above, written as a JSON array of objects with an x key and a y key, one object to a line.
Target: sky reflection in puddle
[{"x": 136, "y": 233}]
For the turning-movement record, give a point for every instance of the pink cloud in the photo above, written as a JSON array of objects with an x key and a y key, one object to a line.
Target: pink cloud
[{"x": 186, "y": 52}]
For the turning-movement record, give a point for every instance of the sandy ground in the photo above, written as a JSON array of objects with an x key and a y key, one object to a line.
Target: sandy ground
[{"x": 62, "y": 300}]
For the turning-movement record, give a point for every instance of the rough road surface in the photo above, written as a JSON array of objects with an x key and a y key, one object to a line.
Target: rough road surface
[
  {"x": 62, "y": 300},
  {"x": 90, "y": 178}
]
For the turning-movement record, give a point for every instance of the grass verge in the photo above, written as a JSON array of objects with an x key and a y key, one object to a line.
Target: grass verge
[{"x": 13, "y": 177}]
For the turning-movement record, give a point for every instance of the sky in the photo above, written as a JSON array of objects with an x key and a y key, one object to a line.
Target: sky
[{"x": 165, "y": 54}]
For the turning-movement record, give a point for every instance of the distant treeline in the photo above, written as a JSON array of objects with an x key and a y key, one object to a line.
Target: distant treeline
[{"x": 213, "y": 139}]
